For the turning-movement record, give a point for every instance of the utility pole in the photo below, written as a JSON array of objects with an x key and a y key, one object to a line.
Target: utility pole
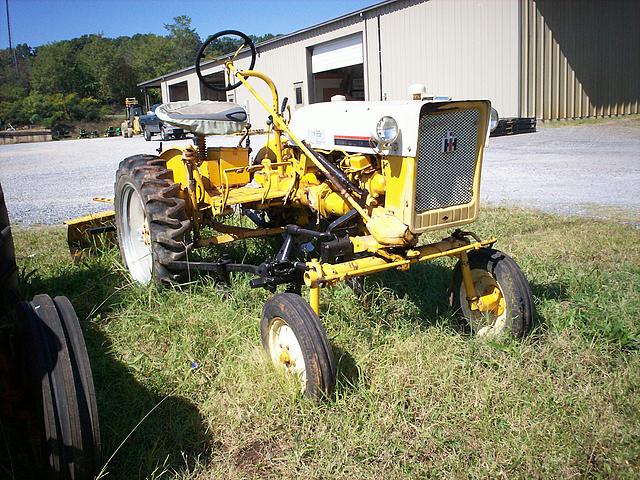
[{"x": 11, "y": 50}]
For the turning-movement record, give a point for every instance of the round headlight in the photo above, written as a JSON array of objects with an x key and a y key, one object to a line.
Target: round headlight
[
  {"x": 387, "y": 130},
  {"x": 493, "y": 120}
]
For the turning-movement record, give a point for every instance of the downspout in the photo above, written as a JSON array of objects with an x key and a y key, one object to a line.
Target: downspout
[
  {"x": 365, "y": 43},
  {"x": 380, "y": 56}
]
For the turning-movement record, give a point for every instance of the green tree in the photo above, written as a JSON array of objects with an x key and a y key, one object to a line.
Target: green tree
[
  {"x": 185, "y": 41},
  {"x": 74, "y": 79},
  {"x": 15, "y": 82},
  {"x": 55, "y": 69}
]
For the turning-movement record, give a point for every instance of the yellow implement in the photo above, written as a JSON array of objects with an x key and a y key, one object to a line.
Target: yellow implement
[{"x": 82, "y": 233}]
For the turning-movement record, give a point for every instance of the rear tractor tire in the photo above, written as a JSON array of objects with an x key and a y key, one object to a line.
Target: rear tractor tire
[
  {"x": 147, "y": 134},
  {"x": 296, "y": 341},
  {"x": 151, "y": 219},
  {"x": 62, "y": 385},
  {"x": 494, "y": 273},
  {"x": 8, "y": 268}
]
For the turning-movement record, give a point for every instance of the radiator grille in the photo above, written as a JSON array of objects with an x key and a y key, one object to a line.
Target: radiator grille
[{"x": 445, "y": 178}]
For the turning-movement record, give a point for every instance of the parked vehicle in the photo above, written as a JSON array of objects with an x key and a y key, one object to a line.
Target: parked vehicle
[{"x": 152, "y": 125}]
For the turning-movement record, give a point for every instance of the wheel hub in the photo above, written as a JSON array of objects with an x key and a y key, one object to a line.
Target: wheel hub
[
  {"x": 286, "y": 351},
  {"x": 145, "y": 235},
  {"x": 135, "y": 235},
  {"x": 487, "y": 314},
  {"x": 491, "y": 301}
]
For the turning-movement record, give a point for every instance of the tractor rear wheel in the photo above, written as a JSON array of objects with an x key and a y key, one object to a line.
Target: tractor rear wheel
[
  {"x": 8, "y": 268},
  {"x": 295, "y": 340},
  {"x": 498, "y": 278},
  {"x": 151, "y": 219},
  {"x": 62, "y": 385}
]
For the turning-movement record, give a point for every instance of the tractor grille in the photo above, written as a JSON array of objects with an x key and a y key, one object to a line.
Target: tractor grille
[{"x": 446, "y": 162}]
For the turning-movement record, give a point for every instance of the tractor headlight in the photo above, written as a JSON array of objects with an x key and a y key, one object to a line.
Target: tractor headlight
[
  {"x": 387, "y": 130},
  {"x": 493, "y": 120}
]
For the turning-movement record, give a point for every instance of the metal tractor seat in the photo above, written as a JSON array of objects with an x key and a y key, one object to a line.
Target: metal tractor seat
[{"x": 205, "y": 117}]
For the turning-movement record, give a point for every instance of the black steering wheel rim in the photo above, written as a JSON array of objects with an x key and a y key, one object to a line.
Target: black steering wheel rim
[{"x": 248, "y": 42}]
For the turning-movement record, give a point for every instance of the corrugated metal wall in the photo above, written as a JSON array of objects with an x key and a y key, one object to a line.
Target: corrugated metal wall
[
  {"x": 579, "y": 58},
  {"x": 549, "y": 59},
  {"x": 462, "y": 48}
]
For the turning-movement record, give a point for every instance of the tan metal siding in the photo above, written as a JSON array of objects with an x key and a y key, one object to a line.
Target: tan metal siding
[
  {"x": 463, "y": 48},
  {"x": 580, "y": 58}
]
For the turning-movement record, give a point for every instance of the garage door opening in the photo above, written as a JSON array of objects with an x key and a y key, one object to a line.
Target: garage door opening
[
  {"x": 178, "y": 92},
  {"x": 207, "y": 93},
  {"x": 338, "y": 69},
  {"x": 347, "y": 81}
]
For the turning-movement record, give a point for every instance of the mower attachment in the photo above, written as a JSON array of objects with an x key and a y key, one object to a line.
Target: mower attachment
[{"x": 82, "y": 231}]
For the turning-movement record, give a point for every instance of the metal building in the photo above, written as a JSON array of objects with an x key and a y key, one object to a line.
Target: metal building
[{"x": 547, "y": 59}]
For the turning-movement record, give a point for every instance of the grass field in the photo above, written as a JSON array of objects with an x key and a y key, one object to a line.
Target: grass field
[{"x": 415, "y": 397}]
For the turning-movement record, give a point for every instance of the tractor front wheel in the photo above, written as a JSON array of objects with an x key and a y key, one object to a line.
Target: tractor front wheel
[
  {"x": 153, "y": 226},
  {"x": 296, "y": 341},
  {"x": 499, "y": 282}
]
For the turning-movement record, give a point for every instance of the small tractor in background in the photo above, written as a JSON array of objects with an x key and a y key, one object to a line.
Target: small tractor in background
[
  {"x": 348, "y": 187},
  {"x": 133, "y": 112}
]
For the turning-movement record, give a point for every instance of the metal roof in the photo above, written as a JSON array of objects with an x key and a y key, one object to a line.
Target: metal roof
[{"x": 155, "y": 82}]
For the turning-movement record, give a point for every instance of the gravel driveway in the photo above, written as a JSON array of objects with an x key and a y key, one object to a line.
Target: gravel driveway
[{"x": 586, "y": 170}]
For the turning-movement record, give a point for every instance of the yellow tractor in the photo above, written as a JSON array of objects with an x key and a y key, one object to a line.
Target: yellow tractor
[
  {"x": 348, "y": 187},
  {"x": 133, "y": 112}
]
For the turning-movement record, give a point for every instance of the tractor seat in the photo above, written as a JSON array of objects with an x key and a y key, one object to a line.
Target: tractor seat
[{"x": 204, "y": 117}]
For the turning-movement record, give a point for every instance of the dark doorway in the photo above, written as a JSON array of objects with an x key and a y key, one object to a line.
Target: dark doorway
[
  {"x": 347, "y": 81},
  {"x": 207, "y": 93},
  {"x": 178, "y": 92}
]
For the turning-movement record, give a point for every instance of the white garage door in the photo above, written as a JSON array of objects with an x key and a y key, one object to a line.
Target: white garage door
[{"x": 338, "y": 53}]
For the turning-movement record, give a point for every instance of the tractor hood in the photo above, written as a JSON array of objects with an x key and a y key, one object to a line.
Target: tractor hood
[{"x": 351, "y": 125}]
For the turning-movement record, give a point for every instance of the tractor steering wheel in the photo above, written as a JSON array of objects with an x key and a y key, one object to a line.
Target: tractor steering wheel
[{"x": 247, "y": 42}]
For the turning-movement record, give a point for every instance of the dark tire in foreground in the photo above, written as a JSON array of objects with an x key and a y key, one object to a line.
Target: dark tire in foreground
[
  {"x": 295, "y": 340},
  {"x": 495, "y": 272},
  {"x": 151, "y": 220},
  {"x": 8, "y": 267},
  {"x": 147, "y": 134},
  {"x": 63, "y": 387}
]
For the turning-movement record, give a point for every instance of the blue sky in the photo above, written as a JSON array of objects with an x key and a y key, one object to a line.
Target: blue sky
[{"x": 37, "y": 22}]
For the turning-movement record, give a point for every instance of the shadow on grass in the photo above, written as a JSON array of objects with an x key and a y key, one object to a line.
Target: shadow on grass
[
  {"x": 553, "y": 291},
  {"x": 173, "y": 436},
  {"x": 348, "y": 373},
  {"x": 425, "y": 284}
]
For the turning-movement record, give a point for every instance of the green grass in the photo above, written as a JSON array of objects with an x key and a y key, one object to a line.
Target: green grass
[{"x": 415, "y": 398}]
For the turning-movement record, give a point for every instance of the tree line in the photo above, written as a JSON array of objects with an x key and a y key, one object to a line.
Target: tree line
[{"x": 90, "y": 76}]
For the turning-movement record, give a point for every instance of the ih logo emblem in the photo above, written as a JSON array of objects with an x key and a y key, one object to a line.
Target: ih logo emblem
[{"x": 449, "y": 143}]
